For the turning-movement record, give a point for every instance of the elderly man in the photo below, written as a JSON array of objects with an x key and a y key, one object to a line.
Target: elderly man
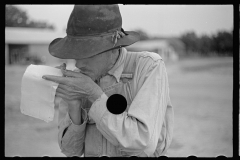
[{"x": 92, "y": 121}]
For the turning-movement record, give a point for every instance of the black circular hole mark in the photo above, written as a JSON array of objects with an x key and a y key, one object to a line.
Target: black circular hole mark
[{"x": 116, "y": 104}]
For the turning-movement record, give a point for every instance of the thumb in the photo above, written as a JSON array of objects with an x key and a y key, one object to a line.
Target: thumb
[{"x": 69, "y": 73}]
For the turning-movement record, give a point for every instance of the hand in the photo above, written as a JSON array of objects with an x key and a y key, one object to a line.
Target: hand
[
  {"x": 72, "y": 103},
  {"x": 75, "y": 86},
  {"x": 58, "y": 99}
]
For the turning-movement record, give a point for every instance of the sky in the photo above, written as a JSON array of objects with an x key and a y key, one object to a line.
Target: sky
[{"x": 155, "y": 20}]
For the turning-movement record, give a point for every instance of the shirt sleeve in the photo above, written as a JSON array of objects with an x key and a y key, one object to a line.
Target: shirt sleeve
[
  {"x": 70, "y": 136},
  {"x": 137, "y": 130}
]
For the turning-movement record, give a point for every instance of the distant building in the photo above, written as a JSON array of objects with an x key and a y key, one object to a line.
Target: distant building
[
  {"x": 29, "y": 44},
  {"x": 168, "y": 49}
]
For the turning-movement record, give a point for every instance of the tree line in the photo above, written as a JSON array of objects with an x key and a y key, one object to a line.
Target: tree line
[
  {"x": 220, "y": 43},
  {"x": 16, "y": 17}
]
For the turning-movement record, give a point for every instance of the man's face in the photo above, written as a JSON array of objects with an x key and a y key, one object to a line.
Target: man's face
[{"x": 94, "y": 66}]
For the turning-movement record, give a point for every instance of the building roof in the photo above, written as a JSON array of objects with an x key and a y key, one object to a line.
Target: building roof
[{"x": 20, "y": 35}]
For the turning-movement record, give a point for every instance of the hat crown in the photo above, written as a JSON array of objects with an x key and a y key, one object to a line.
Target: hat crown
[{"x": 87, "y": 20}]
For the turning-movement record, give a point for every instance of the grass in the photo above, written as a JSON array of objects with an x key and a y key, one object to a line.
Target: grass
[{"x": 201, "y": 94}]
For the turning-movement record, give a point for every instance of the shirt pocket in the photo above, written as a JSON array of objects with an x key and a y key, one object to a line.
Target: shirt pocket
[
  {"x": 127, "y": 90},
  {"x": 123, "y": 88}
]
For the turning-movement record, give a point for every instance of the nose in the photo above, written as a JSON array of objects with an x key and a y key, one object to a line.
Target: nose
[
  {"x": 79, "y": 63},
  {"x": 81, "y": 66}
]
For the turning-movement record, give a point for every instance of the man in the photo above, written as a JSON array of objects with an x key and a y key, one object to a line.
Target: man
[{"x": 87, "y": 125}]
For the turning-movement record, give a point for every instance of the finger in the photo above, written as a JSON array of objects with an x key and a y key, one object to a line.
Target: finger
[
  {"x": 65, "y": 87},
  {"x": 67, "y": 91},
  {"x": 58, "y": 67},
  {"x": 60, "y": 90},
  {"x": 63, "y": 96},
  {"x": 66, "y": 96},
  {"x": 69, "y": 95},
  {"x": 64, "y": 65},
  {"x": 70, "y": 90},
  {"x": 57, "y": 79},
  {"x": 69, "y": 73}
]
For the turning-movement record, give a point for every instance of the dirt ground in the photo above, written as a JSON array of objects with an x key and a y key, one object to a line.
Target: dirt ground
[{"x": 201, "y": 94}]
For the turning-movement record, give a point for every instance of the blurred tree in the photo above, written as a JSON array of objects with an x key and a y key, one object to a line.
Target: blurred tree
[
  {"x": 15, "y": 17},
  {"x": 143, "y": 34},
  {"x": 191, "y": 41},
  {"x": 223, "y": 42},
  {"x": 206, "y": 44}
]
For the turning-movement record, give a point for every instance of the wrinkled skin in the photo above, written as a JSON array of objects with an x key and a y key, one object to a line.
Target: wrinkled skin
[{"x": 73, "y": 86}]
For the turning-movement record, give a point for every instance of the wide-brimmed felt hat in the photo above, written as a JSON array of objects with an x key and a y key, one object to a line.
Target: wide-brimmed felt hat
[{"x": 91, "y": 30}]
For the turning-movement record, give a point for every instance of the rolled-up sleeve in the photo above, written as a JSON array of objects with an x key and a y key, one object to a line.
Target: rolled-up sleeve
[
  {"x": 70, "y": 136},
  {"x": 138, "y": 129}
]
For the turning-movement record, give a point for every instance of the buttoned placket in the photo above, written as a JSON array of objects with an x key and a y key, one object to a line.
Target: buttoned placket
[
  {"x": 107, "y": 83},
  {"x": 101, "y": 146},
  {"x": 104, "y": 140}
]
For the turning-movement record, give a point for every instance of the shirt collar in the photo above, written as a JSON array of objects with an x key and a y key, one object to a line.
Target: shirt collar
[{"x": 117, "y": 69}]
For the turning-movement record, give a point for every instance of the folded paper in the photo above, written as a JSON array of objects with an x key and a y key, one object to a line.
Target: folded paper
[{"x": 37, "y": 94}]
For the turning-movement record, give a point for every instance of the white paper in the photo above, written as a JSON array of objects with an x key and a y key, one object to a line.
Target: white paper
[{"x": 38, "y": 94}]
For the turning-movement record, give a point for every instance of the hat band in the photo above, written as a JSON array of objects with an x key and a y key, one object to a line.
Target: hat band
[
  {"x": 90, "y": 36},
  {"x": 117, "y": 34},
  {"x": 110, "y": 32}
]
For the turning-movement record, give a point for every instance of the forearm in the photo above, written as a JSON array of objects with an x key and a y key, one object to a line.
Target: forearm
[
  {"x": 75, "y": 111},
  {"x": 71, "y": 142},
  {"x": 71, "y": 136},
  {"x": 75, "y": 115}
]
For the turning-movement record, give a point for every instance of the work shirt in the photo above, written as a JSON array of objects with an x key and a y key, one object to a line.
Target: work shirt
[{"x": 145, "y": 128}]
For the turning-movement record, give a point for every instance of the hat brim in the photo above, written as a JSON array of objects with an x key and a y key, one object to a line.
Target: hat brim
[{"x": 80, "y": 48}]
